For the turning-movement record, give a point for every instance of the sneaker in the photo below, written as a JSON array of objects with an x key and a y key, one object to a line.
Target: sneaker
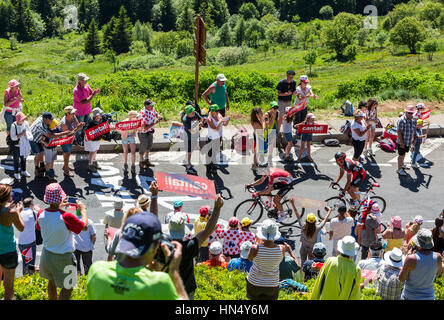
[
  {"x": 405, "y": 167},
  {"x": 17, "y": 176},
  {"x": 96, "y": 165},
  {"x": 282, "y": 216},
  {"x": 133, "y": 168},
  {"x": 49, "y": 174},
  {"x": 25, "y": 174},
  {"x": 91, "y": 168},
  {"x": 149, "y": 164},
  {"x": 415, "y": 165},
  {"x": 401, "y": 172}
]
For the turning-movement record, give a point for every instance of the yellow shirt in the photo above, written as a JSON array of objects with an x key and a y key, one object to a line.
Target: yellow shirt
[{"x": 200, "y": 225}]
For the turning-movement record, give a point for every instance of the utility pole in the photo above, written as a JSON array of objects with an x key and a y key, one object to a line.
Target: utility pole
[{"x": 199, "y": 52}]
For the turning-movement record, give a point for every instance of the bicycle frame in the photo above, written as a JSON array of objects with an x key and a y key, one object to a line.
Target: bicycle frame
[{"x": 361, "y": 199}]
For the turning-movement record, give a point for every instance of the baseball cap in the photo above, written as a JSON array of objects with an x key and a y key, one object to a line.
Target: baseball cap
[
  {"x": 319, "y": 249},
  {"x": 149, "y": 102},
  {"x": 47, "y": 115},
  {"x": 233, "y": 222},
  {"x": 70, "y": 109},
  {"x": 97, "y": 111},
  {"x": 189, "y": 109},
  {"x": 216, "y": 248},
  {"x": 82, "y": 77},
  {"x": 245, "y": 249},
  {"x": 221, "y": 77},
  {"x": 143, "y": 200},
  {"x": 420, "y": 105},
  {"x": 204, "y": 211},
  {"x": 214, "y": 107},
  {"x": 311, "y": 218},
  {"x": 13, "y": 83},
  {"x": 291, "y": 73},
  {"x": 304, "y": 78},
  {"x": 54, "y": 193},
  {"x": 418, "y": 219},
  {"x": 177, "y": 203},
  {"x": 139, "y": 232},
  {"x": 274, "y": 104},
  {"x": 246, "y": 222},
  {"x": 425, "y": 238}
]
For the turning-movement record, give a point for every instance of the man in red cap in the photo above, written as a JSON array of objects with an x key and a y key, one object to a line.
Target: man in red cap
[
  {"x": 406, "y": 130},
  {"x": 232, "y": 238},
  {"x": 199, "y": 225}
]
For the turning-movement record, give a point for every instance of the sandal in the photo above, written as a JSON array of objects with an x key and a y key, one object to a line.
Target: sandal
[{"x": 68, "y": 173}]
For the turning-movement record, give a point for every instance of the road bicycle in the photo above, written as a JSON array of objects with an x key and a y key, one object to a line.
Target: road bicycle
[{"x": 254, "y": 209}]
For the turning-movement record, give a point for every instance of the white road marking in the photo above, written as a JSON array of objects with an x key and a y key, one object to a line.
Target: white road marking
[{"x": 430, "y": 146}]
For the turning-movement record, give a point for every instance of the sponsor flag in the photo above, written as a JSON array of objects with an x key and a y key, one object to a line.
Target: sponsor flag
[
  {"x": 27, "y": 253},
  {"x": 425, "y": 114},
  {"x": 128, "y": 125},
  {"x": 186, "y": 184},
  {"x": 313, "y": 128},
  {"x": 297, "y": 107},
  {"x": 61, "y": 141},
  {"x": 97, "y": 131}
]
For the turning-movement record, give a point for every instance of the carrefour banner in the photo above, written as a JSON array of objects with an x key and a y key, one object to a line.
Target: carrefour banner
[{"x": 186, "y": 184}]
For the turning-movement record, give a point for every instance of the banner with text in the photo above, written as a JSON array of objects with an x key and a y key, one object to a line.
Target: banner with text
[
  {"x": 61, "y": 141},
  {"x": 97, "y": 131},
  {"x": 297, "y": 107},
  {"x": 313, "y": 128},
  {"x": 186, "y": 184},
  {"x": 128, "y": 125}
]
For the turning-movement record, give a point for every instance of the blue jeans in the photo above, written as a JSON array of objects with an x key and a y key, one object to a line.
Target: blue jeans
[
  {"x": 81, "y": 133},
  {"x": 416, "y": 150},
  {"x": 34, "y": 256},
  {"x": 9, "y": 118}
]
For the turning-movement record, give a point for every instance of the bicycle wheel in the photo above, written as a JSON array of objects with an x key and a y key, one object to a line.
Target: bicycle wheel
[
  {"x": 249, "y": 208},
  {"x": 290, "y": 218},
  {"x": 333, "y": 203},
  {"x": 381, "y": 202}
]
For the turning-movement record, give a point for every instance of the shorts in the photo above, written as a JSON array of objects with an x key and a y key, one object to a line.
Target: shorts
[
  {"x": 283, "y": 104},
  {"x": 188, "y": 142},
  {"x": 92, "y": 146},
  {"x": 9, "y": 260},
  {"x": 403, "y": 151},
  {"x": 288, "y": 136},
  {"x": 131, "y": 139},
  {"x": 50, "y": 155},
  {"x": 54, "y": 267},
  {"x": 283, "y": 188},
  {"x": 67, "y": 148},
  {"x": 307, "y": 137},
  {"x": 262, "y": 293},
  {"x": 36, "y": 148},
  {"x": 359, "y": 178},
  {"x": 146, "y": 141}
]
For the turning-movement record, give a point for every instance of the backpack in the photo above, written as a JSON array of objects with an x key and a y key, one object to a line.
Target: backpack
[
  {"x": 346, "y": 129},
  {"x": 239, "y": 141},
  {"x": 347, "y": 108},
  {"x": 290, "y": 285},
  {"x": 331, "y": 142},
  {"x": 390, "y": 132},
  {"x": 387, "y": 144}
]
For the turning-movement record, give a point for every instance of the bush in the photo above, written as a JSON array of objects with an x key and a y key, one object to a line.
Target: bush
[
  {"x": 350, "y": 52},
  {"x": 326, "y": 12},
  {"x": 185, "y": 47},
  {"x": 233, "y": 55},
  {"x": 138, "y": 48},
  {"x": 75, "y": 54}
]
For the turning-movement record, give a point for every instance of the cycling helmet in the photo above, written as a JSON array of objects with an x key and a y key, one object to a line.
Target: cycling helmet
[
  {"x": 263, "y": 169},
  {"x": 340, "y": 155},
  {"x": 177, "y": 204}
]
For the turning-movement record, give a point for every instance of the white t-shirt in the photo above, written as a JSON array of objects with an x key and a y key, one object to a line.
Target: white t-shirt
[
  {"x": 212, "y": 133},
  {"x": 27, "y": 236},
  {"x": 302, "y": 93},
  {"x": 83, "y": 241},
  {"x": 341, "y": 229},
  {"x": 361, "y": 127}
]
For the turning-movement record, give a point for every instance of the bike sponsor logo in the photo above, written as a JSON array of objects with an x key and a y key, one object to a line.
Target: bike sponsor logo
[
  {"x": 128, "y": 125},
  {"x": 313, "y": 128},
  {"x": 186, "y": 184},
  {"x": 61, "y": 141},
  {"x": 97, "y": 131}
]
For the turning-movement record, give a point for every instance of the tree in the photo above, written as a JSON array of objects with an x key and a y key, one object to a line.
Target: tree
[
  {"x": 409, "y": 31},
  {"x": 88, "y": 10},
  {"x": 185, "y": 21},
  {"x": 92, "y": 43},
  {"x": 239, "y": 32},
  {"x": 340, "y": 32},
  {"x": 248, "y": 11},
  {"x": 123, "y": 32},
  {"x": 7, "y": 18},
  {"x": 254, "y": 33},
  {"x": 220, "y": 13},
  {"x": 326, "y": 12},
  {"x": 142, "y": 32},
  {"x": 344, "y": 6},
  {"x": 45, "y": 9},
  {"x": 184, "y": 48},
  {"x": 288, "y": 9},
  {"x": 165, "y": 42},
  {"x": 109, "y": 34},
  {"x": 265, "y": 7},
  {"x": 283, "y": 33},
  {"x": 362, "y": 36},
  {"x": 225, "y": 36},
  {"x": 430, "y": 11},
  {"x": 144, "y": 10},
  {"x": 310, "y": 59},
  {"x": 430, "y": 46},
  {"x": 168, "y": 15},
  {"x": 350, "y": 52}
]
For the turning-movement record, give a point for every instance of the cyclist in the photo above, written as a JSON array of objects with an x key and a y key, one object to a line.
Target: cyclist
[
  {"x": 278, "y": 179},
  {"x": 355, "y": 175}
]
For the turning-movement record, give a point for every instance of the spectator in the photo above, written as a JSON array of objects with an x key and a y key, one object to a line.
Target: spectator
[
  {"x": 417, "y": 141},
  {"x": 150, "y": 117},
  {"x": 303, "y": 93},
  {"x": 394, "y": 234},
  {"x": 217, "y": 259},
  {"x": 359, "y": 130},
  {"x": 218, "y": 94},
  {"x": 50, "y": 152},
  {"x": 178, "y": 206},
  {"x": 372, "y": 121},
  {"x": 247, "y": 235},
  {"x": 389, "y": 286},
  {"x": 114, "y": 218},
  {"x": 94, "y": 145},
  {"x": 406, "y": 131},
  {"x": 257, "y": 122},
  {"x": 40, "y": 130},
  {"x": 82, "y": 96},
  {"x": 22, "y": 134},
  {"x": 69, "y": 123},
  {"x": 57, "y": 227},
  {"x": 190, "y": 250},
  {"x": 9, "y": 215},
  {"x": 286, "y": 88},
  {"x": 339, "y": 277},
  {"x": 199, "y": 225},
  {"x": 242, "y": 264},
  {"x": 129, "y": 141},
  {"x": 263, "y": 278},
  {"x": 368, "y": 235},
  {"x": 352, "y": 213},
  {"x": 192, "y": 122},
  {"x": 27, "y": 239},
  {"x": 420, "y": 269},
  {"x": 290, "y": 264},
  {"x": 271, "y": 118},
  {"x": 412, "y": 228},
  {"x": 215, "y": 124},
  {"x": 340, "y": 227},
  {"x": 438, "y": 235},
  {"x": 307, "y": 138},
  {"x": 373, "y": 261},
  {"x": 84, "y": 244},
  {"x": 309, "y": 232},
  {"x": 232, "y": 238},
  {"x": 311, "y": 268},
  {"x": 12, "y": 102},
  {"x": 139, "y": 245},
  {"x": 287, "y": 131}
]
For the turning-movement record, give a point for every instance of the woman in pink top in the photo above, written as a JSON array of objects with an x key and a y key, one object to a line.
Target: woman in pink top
[
  {"x": 12, "y": 102},
  {"x": 263, "y": 278}
]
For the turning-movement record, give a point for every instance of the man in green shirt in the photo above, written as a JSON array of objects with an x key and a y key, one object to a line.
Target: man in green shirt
[
  {"x": 218, "y": 94},
  {"x": 133, "y": 277}
]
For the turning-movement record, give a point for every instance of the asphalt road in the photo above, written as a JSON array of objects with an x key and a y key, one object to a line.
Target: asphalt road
[{"x": 419, "y": 193}]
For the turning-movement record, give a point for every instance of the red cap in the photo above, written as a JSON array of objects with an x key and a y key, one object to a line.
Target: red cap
[
  {"x": 233, "y": 221},
  {"x": 204, "y": 211}
]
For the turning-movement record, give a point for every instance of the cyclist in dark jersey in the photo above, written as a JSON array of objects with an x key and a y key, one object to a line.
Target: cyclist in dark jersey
[
  {"x": 278, "y": 179},
  {"x": 355, "y": 175}
]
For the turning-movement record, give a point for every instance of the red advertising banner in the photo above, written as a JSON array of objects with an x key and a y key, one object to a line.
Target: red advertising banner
[
  {"x": 97, "y": 131},
  {"x": 128, "y": 125},
  {"x": 297, "y": 107},
  {"x": 186, "y": 184},
  {"x": 313, "y": 128},
  {"x": 61, "y": 141}
]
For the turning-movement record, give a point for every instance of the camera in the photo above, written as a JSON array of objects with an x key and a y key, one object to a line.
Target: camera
[
  {"x": 160, "y": 256},
  {"x": 16, "y": 197}
]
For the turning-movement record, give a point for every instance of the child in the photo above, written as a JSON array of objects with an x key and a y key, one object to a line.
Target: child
[
  {"x": 412, "y": 228},
  {"x": 20, "y": 132},
  {"x": 50, "y": 152},
  {"x": 307, "y": 138},
  {"x": 417, "y": 141},
  {"x": 247, "y": 235},
  {"x": 287, "y": 128},
  {"x": 129, "y": 138},
  {"x": 231, "y": 239}
]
